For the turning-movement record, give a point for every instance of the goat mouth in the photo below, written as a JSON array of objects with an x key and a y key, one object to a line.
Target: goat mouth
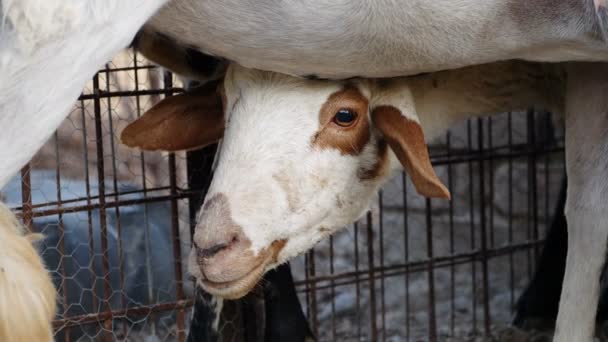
[{"x": 237, "y": 288}]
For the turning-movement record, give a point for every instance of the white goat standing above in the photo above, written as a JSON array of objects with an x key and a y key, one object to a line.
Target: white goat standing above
[{"x": 301, "y": 159}]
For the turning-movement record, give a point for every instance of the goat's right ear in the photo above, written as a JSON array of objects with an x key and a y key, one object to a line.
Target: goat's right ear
[
  {"x": 182, "y": 122},
  {"x": 406, "y": 139}
]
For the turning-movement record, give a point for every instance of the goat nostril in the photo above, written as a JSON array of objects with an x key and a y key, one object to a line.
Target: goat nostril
[{"x": 211, "y": 251}]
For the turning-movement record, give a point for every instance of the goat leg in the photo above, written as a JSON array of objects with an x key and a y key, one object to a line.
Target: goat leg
[{"x": 587, "y": 200}]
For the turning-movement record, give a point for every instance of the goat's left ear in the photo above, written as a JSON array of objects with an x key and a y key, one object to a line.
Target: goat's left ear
[
  {"x": 182, "y": 122},
  {"x": 406, "y": 139}
]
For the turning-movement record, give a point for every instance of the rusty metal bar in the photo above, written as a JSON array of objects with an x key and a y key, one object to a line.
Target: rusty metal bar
[
  {"x": 532, "y": 178},
  {"x": 94, "y": 298},
  {"x": 107, "y": 205},
  {"x": 452, "y": 250},
  {"x": 26, "y": 197},
  {"x": 60, "y": 226},
  {"x": 333, "y": 288},
  {"x": 176, "y": 242},
  {"x": 357, "y": 283},
  {"x": 92, "y": 197},
  {"x": 419, "y": 265},
  {"x": 371, "y": 276},
  {"x": 510, "y": 210},
  {"x": 143, "y": 310},
  {"x": 105, "y": 262},
  {"x": 121, "y": 271},
  {"x": 382, "y": 285},
  {"x": 125, "y": 93},
  {"x": 431, "y": 273},
  {"x": 406, "y": 255},
  {"x": 483, "y": 230},
  {"x": 472, "y": 228},
  {"x": 314, "y": 320}
]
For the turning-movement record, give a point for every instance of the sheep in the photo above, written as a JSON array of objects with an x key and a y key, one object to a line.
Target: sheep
[
  {"x": 27, "y": 294},
  {"x": 273, "y": 198}
]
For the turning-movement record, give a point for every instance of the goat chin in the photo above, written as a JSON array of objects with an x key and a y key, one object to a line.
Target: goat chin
[{"x": 27, "y": 294}]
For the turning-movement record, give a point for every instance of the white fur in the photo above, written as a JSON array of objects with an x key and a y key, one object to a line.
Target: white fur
[
  {"x": 346, "y": 38},
  {"x": 48, "y": 49}
]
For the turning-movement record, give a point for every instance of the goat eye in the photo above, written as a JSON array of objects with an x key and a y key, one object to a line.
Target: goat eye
[{"x": 345, "y": 117}]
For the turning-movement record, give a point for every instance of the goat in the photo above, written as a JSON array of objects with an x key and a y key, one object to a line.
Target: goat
[
  {"x": 44, "y": 44},
  {"x": 302, "y": 158}
]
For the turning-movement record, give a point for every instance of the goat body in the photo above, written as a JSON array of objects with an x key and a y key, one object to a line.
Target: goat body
[{"x": 348, "y": 38}]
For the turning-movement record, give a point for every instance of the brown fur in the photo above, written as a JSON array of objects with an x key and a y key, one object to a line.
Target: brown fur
[
  {"x": 183, "y": 122},
  {"x": 407, "y": 141},
  {"x": 348, "y": 140},
  {"x": 27, "y": 295}
]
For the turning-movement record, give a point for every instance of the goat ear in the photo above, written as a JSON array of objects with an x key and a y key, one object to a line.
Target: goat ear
[
  {"x": 406, "y": 138},
  {"x": 179, "y": 123}
]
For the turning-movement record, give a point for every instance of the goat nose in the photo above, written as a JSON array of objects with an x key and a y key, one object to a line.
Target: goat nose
[{"x": 210, "y": 251}]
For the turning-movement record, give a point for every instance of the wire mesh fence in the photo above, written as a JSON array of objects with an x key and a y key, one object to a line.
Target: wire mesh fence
[{"x": 119, "y": 222}]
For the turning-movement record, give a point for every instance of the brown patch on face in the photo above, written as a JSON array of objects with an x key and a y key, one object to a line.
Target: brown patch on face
[
  {"x": 276, "y": 247},
  {"x": 348, "y": 140},
  {"x": 380, "y": 167}
]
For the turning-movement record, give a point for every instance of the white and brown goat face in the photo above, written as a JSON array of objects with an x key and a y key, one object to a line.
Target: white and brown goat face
[{"x": 299, "y": 160}]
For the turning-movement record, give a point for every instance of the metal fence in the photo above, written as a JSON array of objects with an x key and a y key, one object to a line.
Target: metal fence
[{"x": 119, "y": 222}]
